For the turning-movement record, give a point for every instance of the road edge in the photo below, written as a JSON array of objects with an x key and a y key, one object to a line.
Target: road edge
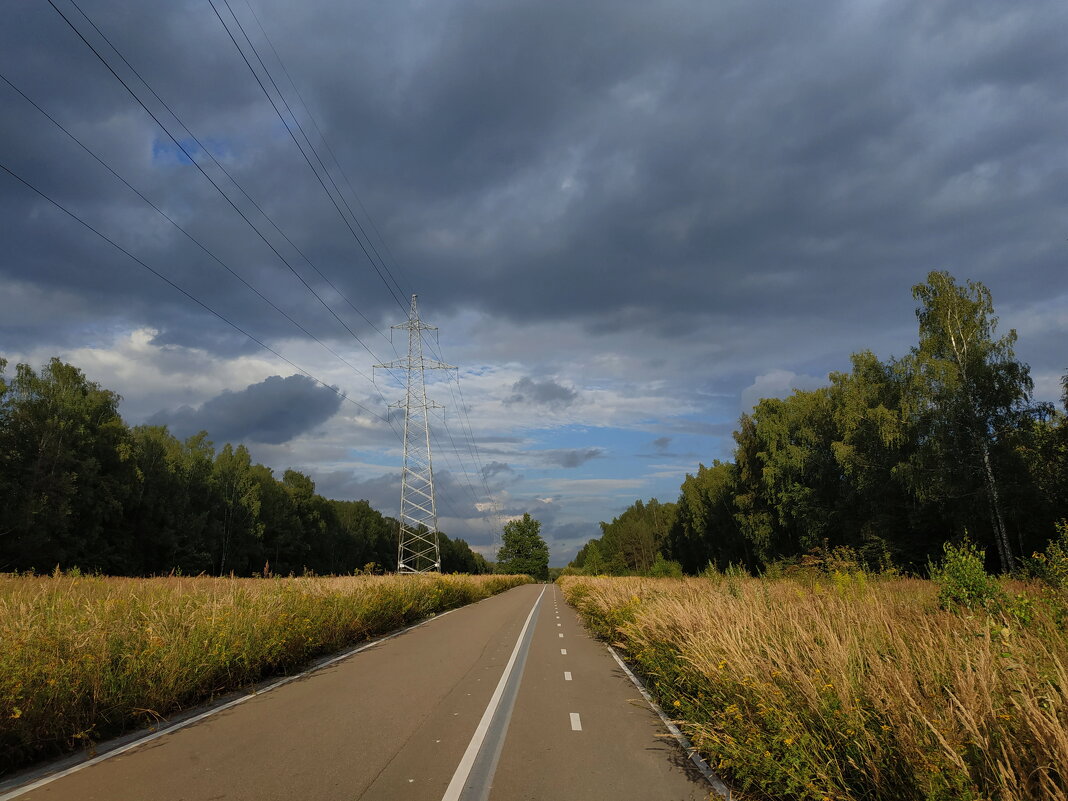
[
  {"x": 717, "y": 784},
  {"x": 34, "y": 778}
]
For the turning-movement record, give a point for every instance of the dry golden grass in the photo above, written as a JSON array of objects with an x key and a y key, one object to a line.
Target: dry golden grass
[
  {"x": 83, "y": 658},
  {"x": 854, "y": 689}
]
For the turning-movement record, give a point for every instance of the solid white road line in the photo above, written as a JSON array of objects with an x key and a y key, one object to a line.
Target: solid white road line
[
  {"x": 576, "y": 724},
  {"x": 567, "y": 675},
  {"x": 16, "y": 792},
  {"x": 463, "y": 770}
]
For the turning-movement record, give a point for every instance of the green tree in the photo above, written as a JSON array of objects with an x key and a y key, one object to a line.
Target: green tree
[
  {"x": 589, "y": 559},
  {"x": 631, "y": 541},
  {"x": 969, "y": 390},
  {"x": 705, "y": 529},
  {"x": 371, "y": 538},
  {"x": 239, "y": 537},
  {"x": 65, "y": 453},
  {"x": 874, "y": 438},
  {"x": 523, "y": 550},
  {"x": 457, "y": 556}
]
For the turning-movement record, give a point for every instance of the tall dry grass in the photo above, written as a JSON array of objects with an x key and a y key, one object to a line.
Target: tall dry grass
[
  {"x": 82, "y": 658},
  {"x": 855, "y": 690}
]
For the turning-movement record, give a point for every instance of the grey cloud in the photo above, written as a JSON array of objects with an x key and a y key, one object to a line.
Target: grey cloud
[
  {"x": 541, "y": 393},
  {"x": 570, "y": 457},
  {"x": 661, "y": 443},
  {"x": 495, "y": 468},
  {"x": 382, "y": 492},
  {"x": 273, "y": 411},
  {"x": 591, "y": 156}
]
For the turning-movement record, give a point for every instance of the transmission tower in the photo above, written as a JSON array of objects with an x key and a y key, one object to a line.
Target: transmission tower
[{"x": 417, "y": 549}]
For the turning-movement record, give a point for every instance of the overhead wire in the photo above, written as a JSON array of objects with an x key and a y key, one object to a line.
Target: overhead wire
[
  {"x": 472, "y": 447},
  {"x": 468, "y": 432},
  {"x": 180, "y": 228},
  {"x": 465, "y": 419},
  {"x": 181, "y": 289},
  {"x": 330, "y": 150},
  {"x": 445, "y": 498},
  {"x": 293, "y": 136},
  {"x": 211, "y": 156},
  {"x": 461, "y": 471}
]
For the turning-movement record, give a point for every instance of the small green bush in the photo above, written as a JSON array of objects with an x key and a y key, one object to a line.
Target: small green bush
[
  {"x": 1051, "y": 565},
  {"x": 962, "y": 580},
  {"x": 665, "y": 568}
]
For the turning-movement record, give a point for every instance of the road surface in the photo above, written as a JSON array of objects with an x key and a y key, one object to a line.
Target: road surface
[{"x": 502, "y": 700}]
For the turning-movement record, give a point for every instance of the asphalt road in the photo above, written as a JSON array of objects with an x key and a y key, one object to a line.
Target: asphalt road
[{"x": 502, "y": 700}]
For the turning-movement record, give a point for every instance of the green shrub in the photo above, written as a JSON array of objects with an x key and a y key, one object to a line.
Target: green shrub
[
  {"x": 665, "y": 568},
  {"x": 1051, "y": 565},
  {"x": 962, "y": 580}
]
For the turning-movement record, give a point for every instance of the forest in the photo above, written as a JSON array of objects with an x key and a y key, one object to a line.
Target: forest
[
  {"x": 82, "y": 489},
  {"x": 885, "y": 464}
]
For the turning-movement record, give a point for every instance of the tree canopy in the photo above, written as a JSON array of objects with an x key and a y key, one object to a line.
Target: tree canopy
[
  {"x": 891, "y": 459},
  {"x": 523, "y": 550},
  {"x": 81, "y": 488}
]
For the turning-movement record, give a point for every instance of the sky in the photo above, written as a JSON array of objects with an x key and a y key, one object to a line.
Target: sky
[{"x": 628, "y": 221}]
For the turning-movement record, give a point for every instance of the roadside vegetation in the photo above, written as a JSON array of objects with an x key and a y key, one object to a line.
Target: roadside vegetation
[
  {"x": 81, "y": 488},
  {"x": 824, "y": 682},
  {"x": 893, "y": 459},
  {"x": 83, "y": 658}
]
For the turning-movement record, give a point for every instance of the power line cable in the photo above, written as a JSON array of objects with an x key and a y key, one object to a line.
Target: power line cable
[
  {"x": 469, "y": 433},
  {"x": 185, "y": 292},
  {"x": 293, "y": 136},
  {"x": 453, "y": 471},
  {"x": 196, "y": 164},
  {"x": 186, "y": 233},
  {"x": 460, "y": 471},
  {"x": 333, "y": 156},
  {"x": 483, "y": 516}
]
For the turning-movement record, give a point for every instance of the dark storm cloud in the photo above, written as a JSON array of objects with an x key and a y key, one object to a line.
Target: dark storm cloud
[
  {"x": 626, "y": 165},
  {"x": 273, "y": 411},
  {"x": 570, "y": 457},
  {"x": 541, "y": 393}
]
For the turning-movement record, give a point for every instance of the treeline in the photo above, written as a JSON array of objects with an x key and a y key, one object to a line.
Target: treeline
[
  {"x": 892, "y": 459},
  {"x": 80, "y": 488}
]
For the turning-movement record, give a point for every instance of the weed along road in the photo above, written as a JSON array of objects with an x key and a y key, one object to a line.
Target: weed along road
[{"x": 504, "y": 699}]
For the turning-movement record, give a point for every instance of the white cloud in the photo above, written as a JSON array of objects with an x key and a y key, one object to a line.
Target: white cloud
[{"x": 777, "y": 384}]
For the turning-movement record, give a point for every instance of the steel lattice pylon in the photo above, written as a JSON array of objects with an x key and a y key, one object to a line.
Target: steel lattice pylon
[{"x": 417, "y": 548}]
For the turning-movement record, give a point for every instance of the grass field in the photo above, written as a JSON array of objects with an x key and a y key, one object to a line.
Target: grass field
[
  {"x": 84, "y": 658},
  {"x": 851, "y": 688}
]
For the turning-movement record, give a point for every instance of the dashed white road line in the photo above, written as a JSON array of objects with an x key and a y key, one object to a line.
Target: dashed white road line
[
  {"x": 563, "y": 651},
  {"x": 576, "y": 723},
  {"x": 567, "y": 675},
  {"x": 561, "y": 634}
]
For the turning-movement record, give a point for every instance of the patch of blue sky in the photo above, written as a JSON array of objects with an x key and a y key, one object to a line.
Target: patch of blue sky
[
  {"x": 164, "y": 151},
  {"x": 620, "y": 454}
]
